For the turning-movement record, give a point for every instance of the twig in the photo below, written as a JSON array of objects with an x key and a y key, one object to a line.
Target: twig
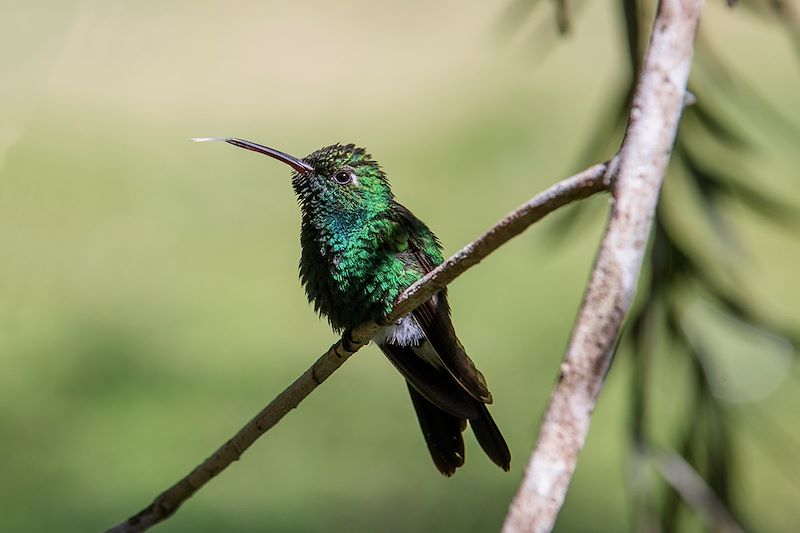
[
  {"x": 592, "y": 180},
  {"x": 643, "y": 157},
  {"x": 696, "y": 492}
]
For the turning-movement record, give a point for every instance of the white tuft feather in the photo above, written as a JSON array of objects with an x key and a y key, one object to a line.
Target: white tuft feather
[
  {"x": 407, "y": 332},
  {"x": 404, "y": 332}
]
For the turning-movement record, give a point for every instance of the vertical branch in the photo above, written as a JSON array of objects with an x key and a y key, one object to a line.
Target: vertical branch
[{"x": 652, "y": 125}]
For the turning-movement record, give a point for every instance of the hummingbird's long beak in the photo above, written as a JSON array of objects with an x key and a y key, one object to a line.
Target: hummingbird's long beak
[{"x": 295, "y": 163}]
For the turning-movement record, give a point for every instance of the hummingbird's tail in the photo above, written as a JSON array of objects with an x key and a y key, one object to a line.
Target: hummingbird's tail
[
  {"x": 490, "y": 438},
  {"x": 442, "y": 432}
]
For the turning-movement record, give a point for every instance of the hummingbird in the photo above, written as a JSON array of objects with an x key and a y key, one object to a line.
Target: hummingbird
[{"x": 360, "y": 249}]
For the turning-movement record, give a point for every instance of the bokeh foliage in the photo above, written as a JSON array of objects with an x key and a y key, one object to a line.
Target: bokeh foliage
[{"x": 693, "y": 268}]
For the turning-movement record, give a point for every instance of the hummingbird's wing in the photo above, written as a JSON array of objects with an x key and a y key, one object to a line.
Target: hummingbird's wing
[
  {"x": 445, "y": 386},
  {"x": 434, "y": 319},
  {"x": 434, "y": 315},
  {"x": 433, "y": 383}
]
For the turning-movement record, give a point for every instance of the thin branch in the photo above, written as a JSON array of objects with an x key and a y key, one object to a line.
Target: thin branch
[
  {"x": 695, "y": 492},
  {"x": 643, "y": 157},
  {"x": 587, "y": 183}
]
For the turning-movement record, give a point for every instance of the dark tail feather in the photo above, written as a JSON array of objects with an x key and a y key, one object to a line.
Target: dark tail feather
[
  {"x": 442, "y": 433},
  {"x": 490, "y": 438}
]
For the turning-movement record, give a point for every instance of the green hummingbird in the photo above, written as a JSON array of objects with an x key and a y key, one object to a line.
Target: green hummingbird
[{"x": 360, "y": 250}]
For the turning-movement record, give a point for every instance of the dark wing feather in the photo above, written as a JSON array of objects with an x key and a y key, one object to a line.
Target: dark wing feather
[
  {"x": 434, "y": 319},
  {"x": 434, "y": 315},
  {"x": 435, "y": 384},
  {"x": 443, "y": 396}
]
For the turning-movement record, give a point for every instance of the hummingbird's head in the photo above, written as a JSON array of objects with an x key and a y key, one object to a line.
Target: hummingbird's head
[
  {"x": 341, "y": 179},
  {"x": 345, "y": 178}
]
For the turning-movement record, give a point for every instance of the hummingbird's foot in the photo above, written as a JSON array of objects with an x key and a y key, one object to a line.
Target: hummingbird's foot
[{"x": 349, "y": 343}]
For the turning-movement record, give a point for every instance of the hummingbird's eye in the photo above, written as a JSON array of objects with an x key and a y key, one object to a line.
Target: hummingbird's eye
[{"x": 343, "y": 177}]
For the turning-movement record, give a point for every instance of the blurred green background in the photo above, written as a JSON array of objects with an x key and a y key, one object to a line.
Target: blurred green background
[{"x": 149, "y": 301}]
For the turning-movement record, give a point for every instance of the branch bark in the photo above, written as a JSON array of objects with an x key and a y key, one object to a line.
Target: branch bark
[
  {"x": 643, "y": 157},
  {"x": 591, "y": 181}
]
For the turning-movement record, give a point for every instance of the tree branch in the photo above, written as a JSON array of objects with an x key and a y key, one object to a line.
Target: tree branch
[
  {"x": 592, "y": 180},
  {"x": 643, "y": 157}
]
